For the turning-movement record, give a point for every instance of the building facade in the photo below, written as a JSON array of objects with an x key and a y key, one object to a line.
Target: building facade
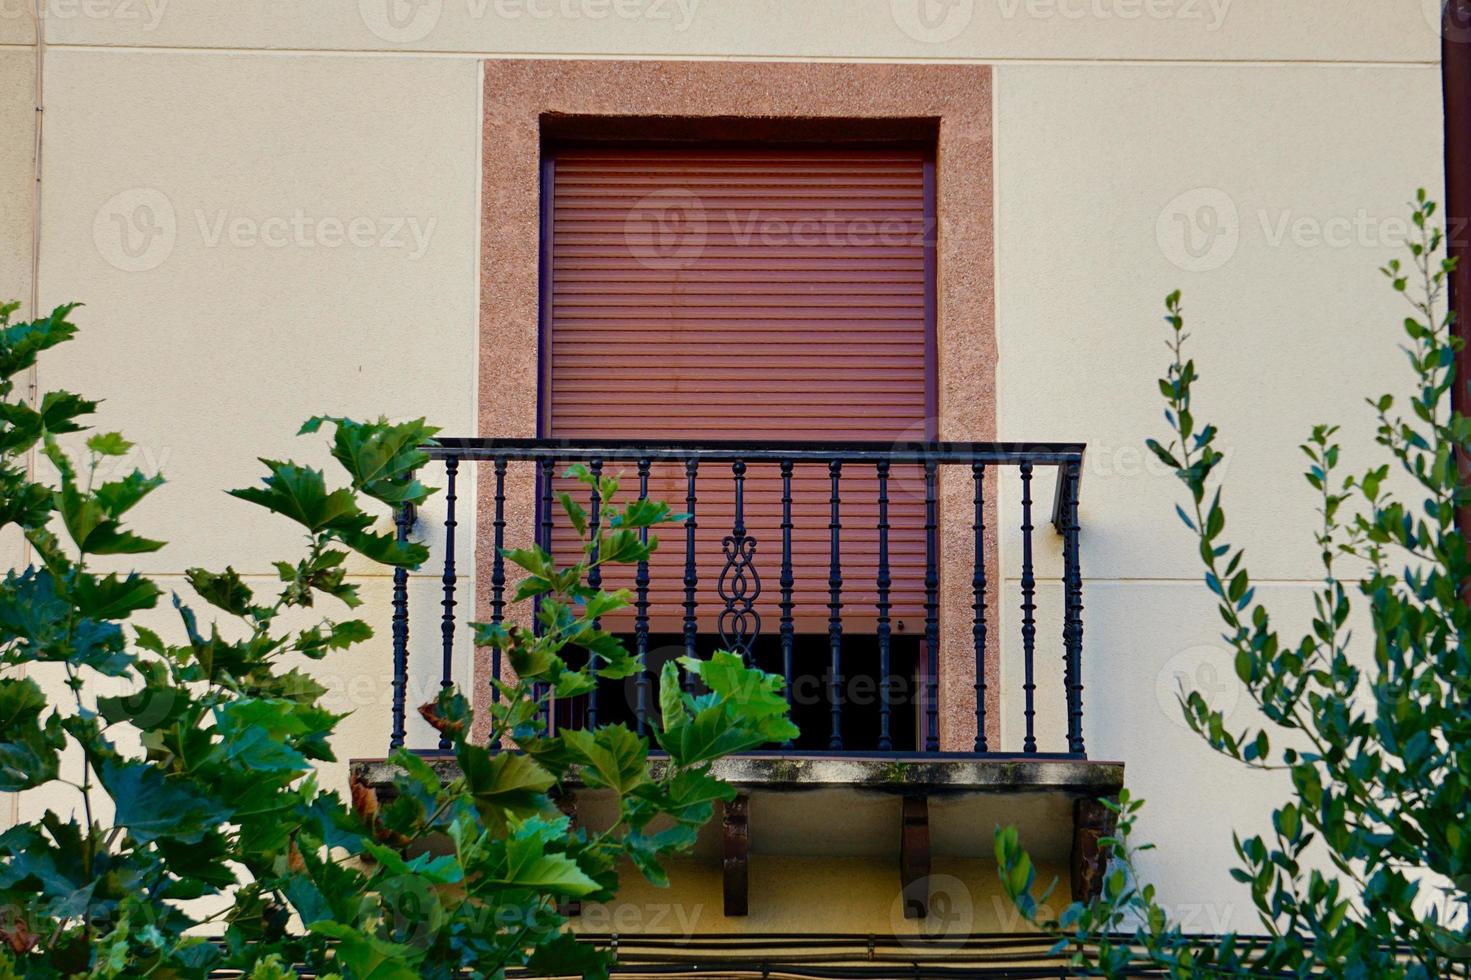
[{"x": 874, "y": 226}]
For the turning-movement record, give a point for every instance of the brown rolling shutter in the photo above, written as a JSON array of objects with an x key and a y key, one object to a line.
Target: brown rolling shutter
[{"x": 753, "y": 295}]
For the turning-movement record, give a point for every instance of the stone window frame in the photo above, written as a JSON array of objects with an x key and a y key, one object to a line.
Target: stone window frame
[{"x": 527, "y": 101}]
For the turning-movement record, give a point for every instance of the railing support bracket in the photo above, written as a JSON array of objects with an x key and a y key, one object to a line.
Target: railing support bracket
[
  {"x": 914, "y": 856},
  {"x": 737, "y": 846},
  {"x": 566, "y": 801},
  {"x": 1092, "y": 821}
]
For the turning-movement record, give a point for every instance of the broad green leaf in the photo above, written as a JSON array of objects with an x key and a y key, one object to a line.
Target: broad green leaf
[
  {"x": 504, "y": 782},
  {"x": 576, "y": 513},
  {"x": 300, "y": 493},
  {"x": 113, "y": 597},
  {"x": 385, "y": 549},
  {"x": 223, "y": 590},
  {"x": 91, "y": 519},
  {"x": 442, "y": 870},
  {"x": 20, "y": 343},
  {"x": 60, "y": 410},
  {"x": 529, "y": 865},
  {"x": 319, "y": 640},
  {"x": 567, "y": 956},
  {"x": 381, "y": 456},
  {"x": 533, "y": 559},
  {"x": 672, "y": 712},
  {"x": 117, "y": 497},
  {"x": 367, "y": 957},
  {"x": 29, "y": 748},
  {"x": 109, "y": 444},
  {"x": 709, "y": 735},
  {"x": 151, "y": 805},
  {"x": 613, "y": 757}
]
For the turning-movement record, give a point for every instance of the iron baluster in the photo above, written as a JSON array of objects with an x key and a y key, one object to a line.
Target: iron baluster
[
  {"x": 835, "y": 610},
  {"x": 978, "y": 587},
  {"x": 641, "y": 612},
  {"x": 594, "y": 577},
  {"x": 544, "y": 507},
  {"x": 691, "y": 576},
  {"x": 403, "y": 519},
  {"x": 498, "y": 572},
  {"x": 1029, "y": 608},
  {"x": 886, "y": 741},
  {"x": 739, "y": 584},
  {"x": 447, "y": 622},
  {"x": 1072, "y": 609},
  {"x": 931, "y": 607},
  {"x": 787, "y": 627}
]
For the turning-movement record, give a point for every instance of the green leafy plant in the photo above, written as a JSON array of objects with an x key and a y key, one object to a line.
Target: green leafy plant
[
  {"x": 194, "y": 836},
  {"x": 1367, "y": 871}
]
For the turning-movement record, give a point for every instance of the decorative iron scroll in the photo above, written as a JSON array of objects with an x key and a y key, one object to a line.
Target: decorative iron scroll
[
  {"x": 739, "y": 587},
  {"x": 739, "y": 584}
]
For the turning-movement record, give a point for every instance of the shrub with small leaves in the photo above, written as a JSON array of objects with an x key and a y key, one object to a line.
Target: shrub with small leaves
[
  {"x": 217, "y": 849},
  {"x": 1367, "y": 870}
]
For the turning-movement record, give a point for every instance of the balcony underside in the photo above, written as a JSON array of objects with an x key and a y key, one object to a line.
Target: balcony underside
[{"x": 920, "y": 813}]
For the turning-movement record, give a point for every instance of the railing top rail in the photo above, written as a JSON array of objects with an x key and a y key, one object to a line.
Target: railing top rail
[{"x": 560, "y": 450}]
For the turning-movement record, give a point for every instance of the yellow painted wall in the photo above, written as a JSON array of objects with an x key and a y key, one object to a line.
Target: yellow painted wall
[{"x": 816, "y": 894}]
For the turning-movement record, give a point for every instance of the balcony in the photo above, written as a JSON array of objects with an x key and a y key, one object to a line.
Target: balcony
[{"x": 878, "y": 580}]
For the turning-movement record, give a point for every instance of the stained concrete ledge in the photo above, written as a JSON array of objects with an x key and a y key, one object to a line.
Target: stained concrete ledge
[
  {"x": 907, "y": 774},
  {"x": 919, "y": 814}
]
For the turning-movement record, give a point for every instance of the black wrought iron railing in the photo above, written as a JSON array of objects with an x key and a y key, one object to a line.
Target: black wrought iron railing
[{"x": 874, "y": 514}]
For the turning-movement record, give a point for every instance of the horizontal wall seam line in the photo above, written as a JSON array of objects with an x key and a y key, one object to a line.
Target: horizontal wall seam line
[{"x": 665, "y": 56}]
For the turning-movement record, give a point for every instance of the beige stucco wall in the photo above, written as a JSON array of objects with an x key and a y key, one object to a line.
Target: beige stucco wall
[
  {"x": 17, "y": 181},
  {"x": 1288, "y": 331},
  {"x": 211, "y": 341}
]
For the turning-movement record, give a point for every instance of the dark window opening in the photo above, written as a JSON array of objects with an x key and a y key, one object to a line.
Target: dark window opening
[{"x": 859, "y": 697}]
